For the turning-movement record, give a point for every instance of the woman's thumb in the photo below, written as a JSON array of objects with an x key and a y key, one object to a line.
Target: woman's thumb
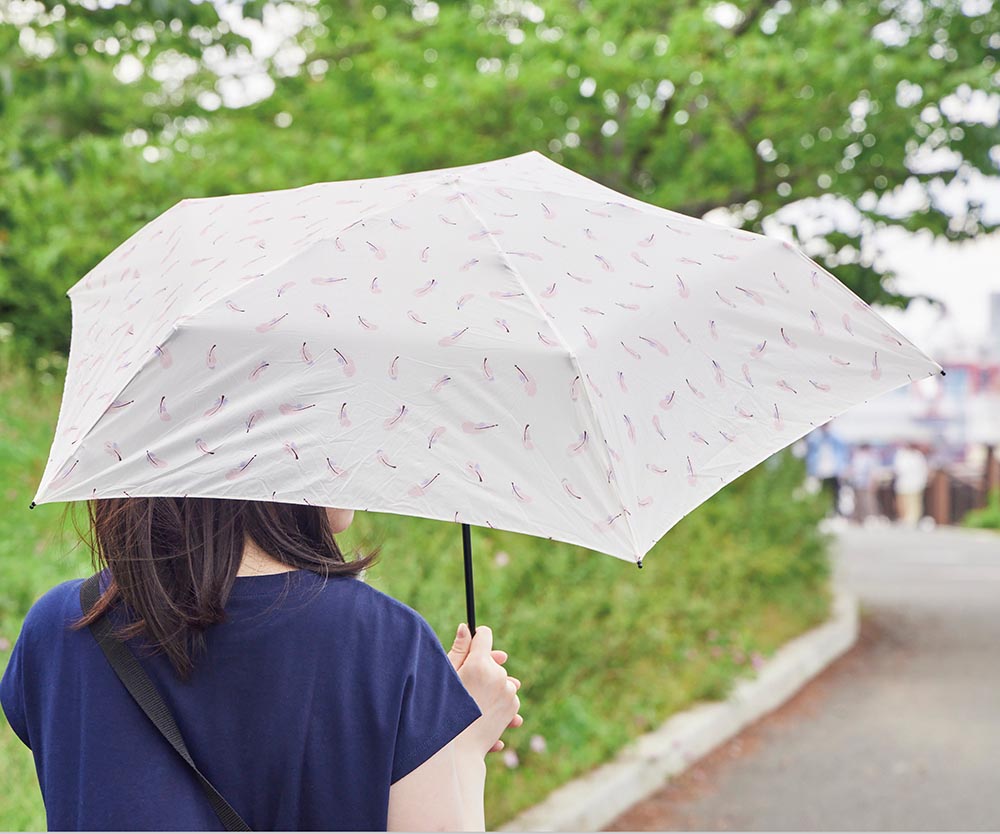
[{"x": 460, "y": 648}]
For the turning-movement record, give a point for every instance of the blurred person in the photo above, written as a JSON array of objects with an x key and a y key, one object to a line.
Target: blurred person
[
  {"x": 910, "y": 467},
  {"x": 826, "y": 460},
  {"x": 861, "y": 476}
]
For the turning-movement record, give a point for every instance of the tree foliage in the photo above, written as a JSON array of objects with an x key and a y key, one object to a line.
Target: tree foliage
[{"x": 770, "y": 111}]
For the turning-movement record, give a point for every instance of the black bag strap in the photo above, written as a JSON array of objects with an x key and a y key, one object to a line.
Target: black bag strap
[{"x": 141, "y": 688}]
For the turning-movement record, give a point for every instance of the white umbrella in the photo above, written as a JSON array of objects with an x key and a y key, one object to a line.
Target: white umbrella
[{"x": 507, "y": 344}]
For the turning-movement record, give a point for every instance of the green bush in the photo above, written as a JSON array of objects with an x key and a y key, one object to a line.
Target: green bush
[
  {"x": 605, "y": 651},
  {"x": 987, "y": 518}
]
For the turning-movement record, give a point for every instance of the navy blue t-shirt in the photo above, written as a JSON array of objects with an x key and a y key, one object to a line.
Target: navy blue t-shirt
[{"x": 310, "y": 701}]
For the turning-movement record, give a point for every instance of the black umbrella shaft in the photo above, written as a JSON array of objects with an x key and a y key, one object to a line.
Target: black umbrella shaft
[{"x": 470, "y": 597}]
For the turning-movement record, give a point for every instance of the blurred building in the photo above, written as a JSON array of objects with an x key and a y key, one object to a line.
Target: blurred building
[
  {"x": 994, "y": 336},
  {"x": 955, "y": 418},
  {"x": 957, "y": 414}
]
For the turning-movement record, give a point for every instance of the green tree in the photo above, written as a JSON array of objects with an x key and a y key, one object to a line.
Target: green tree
[
  {"x": 73, "y": 179},
  {"x": 750, "y": 107}
]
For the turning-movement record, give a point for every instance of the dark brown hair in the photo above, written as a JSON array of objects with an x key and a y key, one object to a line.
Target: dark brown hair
[{"x": 173, "y": 561}]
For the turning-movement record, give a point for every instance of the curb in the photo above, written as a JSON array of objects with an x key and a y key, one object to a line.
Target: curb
[{"x": 594, "y": 800}]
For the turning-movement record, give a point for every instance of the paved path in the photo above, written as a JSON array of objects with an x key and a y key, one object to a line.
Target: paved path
[{"x": 902, "y": 733}]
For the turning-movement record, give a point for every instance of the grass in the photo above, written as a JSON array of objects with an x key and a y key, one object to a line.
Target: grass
[{"x": 605, "y": 652}]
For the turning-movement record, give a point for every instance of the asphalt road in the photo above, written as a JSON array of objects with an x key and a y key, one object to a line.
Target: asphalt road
[{"x": 902, "y": 733}]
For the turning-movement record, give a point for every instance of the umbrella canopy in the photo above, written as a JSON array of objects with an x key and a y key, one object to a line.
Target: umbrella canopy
[{"x": 507, "y": 344}]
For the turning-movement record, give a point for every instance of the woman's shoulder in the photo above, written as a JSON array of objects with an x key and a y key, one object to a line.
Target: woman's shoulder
[
  {"x": 375, "y": 611},
  {"x": 54, "y": 607},
  {"x": 59, "y": 600}
]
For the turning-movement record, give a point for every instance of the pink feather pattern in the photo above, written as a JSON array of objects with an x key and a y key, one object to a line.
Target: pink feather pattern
[
  {"x": 392, "y": 422},
  {"x": 694, "y": 390},
  {"x": 720, "y": 377},
  {"x": 154, "y": 460},
  {"x": 530, "y": 388},
  {"x": 334, "y": 469},
  {"x": 448, "y": 341},
  {"x": 211, "y": 412},
  {"x": 346, "y": 363},
  {"x": 233, "y": 474},
  {"x": 521, "y": 496},
  {"x": 570, "y": 491},
  {"x": 419, "y": 490},
  {"x": 579, "y": 446},
  {"x": 268, "y": 325},
  {"x": 471, "y": 428},
  {"x": 662, "y": 348}
]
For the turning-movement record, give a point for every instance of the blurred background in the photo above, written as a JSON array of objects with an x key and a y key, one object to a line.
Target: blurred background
[{"x": 865, "y": 131}]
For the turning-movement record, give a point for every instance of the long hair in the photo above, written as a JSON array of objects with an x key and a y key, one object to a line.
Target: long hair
[{"x": 173, "y": 561}]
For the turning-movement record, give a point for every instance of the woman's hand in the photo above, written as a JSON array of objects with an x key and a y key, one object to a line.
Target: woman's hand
[{"x": 481, "y": 670}]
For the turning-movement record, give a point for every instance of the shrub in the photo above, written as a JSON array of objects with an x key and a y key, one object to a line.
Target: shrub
[{"x": 988, "y": 517}]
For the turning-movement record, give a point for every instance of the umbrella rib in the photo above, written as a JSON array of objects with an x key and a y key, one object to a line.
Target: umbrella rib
[{"x": 572, "y": 356}]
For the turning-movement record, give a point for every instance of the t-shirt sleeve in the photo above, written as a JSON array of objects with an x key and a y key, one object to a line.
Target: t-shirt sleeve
[
  {"x": 12, "y": 691},
  {"x": 20, "y": 683},
  {"x": 436, "y": 706}
]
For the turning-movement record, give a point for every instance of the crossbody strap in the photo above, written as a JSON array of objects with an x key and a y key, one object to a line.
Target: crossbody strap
[{"x": 141, "y": 688}]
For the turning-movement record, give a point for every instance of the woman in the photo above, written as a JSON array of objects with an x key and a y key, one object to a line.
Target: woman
[{"x": 309, "y": 699}]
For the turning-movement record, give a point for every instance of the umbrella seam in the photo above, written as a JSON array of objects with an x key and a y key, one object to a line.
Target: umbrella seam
[{"x": 573, "y": 359}]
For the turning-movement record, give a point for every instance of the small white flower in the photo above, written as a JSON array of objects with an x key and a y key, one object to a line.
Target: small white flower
[
  {"x": 502, "y": 559},
  {"x": 537, "y": 743},
  {"x": 510, "y": 758}
]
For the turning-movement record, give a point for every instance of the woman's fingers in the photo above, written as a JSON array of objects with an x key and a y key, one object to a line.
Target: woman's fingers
[
  {"x": 460, "y": 647},
  {"x": 516, "y": 682},
  {"x": 499, "y": 656},
  {"x": 516, "y": 721}
]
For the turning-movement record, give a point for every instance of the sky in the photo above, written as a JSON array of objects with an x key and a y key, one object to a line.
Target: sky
[{"x": 962, "y": 276}]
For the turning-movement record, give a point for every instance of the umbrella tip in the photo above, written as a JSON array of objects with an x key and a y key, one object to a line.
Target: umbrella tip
[
  {"x": 942, "y": 372},
  {"x": 31, "y": 506},
  {"x": 639, "y": 564}
]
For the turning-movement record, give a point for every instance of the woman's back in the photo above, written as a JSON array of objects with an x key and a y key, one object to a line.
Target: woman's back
[{"x": 302, "y": 711}]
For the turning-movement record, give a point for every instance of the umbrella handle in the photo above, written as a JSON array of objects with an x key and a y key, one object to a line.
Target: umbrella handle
[{"x": 470, "y": 597}]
